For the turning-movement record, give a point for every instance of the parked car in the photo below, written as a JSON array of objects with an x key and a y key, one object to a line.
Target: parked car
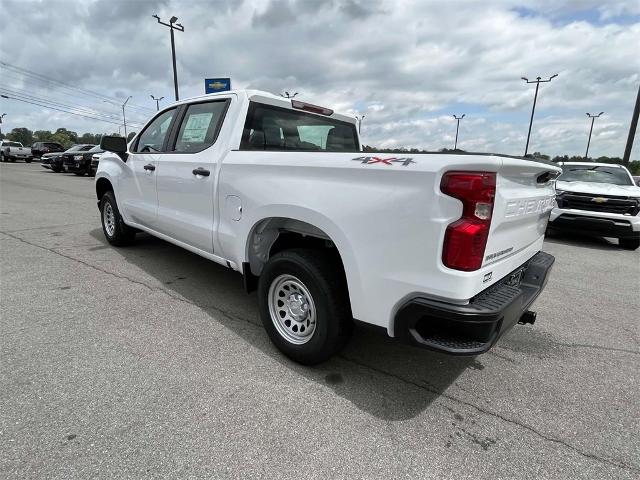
[
  {"x": 636, "y": 179},
  {"x": 95, "y": 161},
  {"x": 40, "y": 148},
  {"x": 57, "y": 162},
  {"x": 80, "y": 162},
  {"x": 598, "y": 199},
  {"x": 47, "y": 158},
  {"x": 12, "y": 151},
  {"x": 442, "y": 250}
]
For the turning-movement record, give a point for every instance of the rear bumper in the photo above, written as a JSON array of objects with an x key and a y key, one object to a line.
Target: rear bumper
[
  {"x": 474, "y": 328},
  {"x": 619, "y": 226}
]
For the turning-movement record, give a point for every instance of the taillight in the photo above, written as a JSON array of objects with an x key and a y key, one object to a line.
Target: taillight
[{"x": 465, "y": 239}]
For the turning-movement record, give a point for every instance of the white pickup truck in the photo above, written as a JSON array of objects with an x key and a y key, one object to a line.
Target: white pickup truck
[
  {"x": 12, "y": 151},
  {"x": 598, "y": 199},
  {"x": 441, "y": 250}
]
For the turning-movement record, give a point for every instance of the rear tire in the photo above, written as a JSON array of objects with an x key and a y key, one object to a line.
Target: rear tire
[
  {"x": 629, "y": 243},
  {"x": 113, "y": 226},
  {"x": 304, "y": 304},
  {"x": 28, "y": 160}
]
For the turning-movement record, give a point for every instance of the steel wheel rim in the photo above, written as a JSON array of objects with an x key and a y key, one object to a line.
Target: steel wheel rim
[
  {"x": 109, "y": 219},
  {"x": 292, "y": 309}
]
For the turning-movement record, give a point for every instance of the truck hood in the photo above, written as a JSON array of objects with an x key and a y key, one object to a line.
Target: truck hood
[{"x": 599, "y": 188}]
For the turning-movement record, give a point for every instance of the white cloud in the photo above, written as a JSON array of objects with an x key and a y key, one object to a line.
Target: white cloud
[{"x": 406, "y": 65}]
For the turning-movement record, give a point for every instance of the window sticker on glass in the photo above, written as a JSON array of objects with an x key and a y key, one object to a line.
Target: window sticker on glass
[{"x": 196, "y": 127}]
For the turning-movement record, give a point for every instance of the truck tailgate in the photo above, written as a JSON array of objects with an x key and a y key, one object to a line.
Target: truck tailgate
[{"x": 525, "y": 195}]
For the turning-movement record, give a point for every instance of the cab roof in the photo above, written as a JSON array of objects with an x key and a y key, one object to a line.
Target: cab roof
[{"x": 264, "y": 97}]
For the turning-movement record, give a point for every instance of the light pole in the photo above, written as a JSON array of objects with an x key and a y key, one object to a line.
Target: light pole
[
  {"x": 632, "y": 130},
  {"x": 124, "y": 119},
  {"x": 1, "y": 117},
  {"x": 172, "y": 26},
  {"x": 537, "y": 81},
  {"x": 455, "y": 145},
  {"x": 157, "y": 101},
  {"x": 359, "y": 120},
  {"x": 288, "y": 95},
  {"x": 593, "y": 119}
]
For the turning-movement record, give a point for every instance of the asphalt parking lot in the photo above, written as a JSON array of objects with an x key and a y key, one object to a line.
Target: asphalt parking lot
[{"x": 150, "y": 362}]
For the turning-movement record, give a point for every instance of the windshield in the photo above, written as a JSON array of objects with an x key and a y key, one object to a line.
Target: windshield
[
  {"x": 595, "y": 174},
  {"x": 96, "y": 149}
]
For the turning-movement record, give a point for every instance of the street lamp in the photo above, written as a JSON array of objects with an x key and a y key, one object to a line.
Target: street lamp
[
  {"x": 157, "y": 101},
  {"x": 124, "y": 118},
  {"x": 537, "y": 81},
  {"x": 1, "y": 117},
  {"x": 288, "y": 95},
  {"x": 172, "y": 26},
  {"x": 455, "y": 145},
  {"x": 359, "y": 120},
  {"x": 593, "y": 119}
]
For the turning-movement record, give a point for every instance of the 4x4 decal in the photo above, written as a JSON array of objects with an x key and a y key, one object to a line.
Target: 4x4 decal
[{"x": 405, "y": 161}]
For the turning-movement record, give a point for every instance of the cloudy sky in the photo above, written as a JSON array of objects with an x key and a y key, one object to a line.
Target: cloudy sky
[{"x": 406, "y": 65}]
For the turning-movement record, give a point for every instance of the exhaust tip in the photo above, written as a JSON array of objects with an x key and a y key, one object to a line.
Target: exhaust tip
[{"x": 528, "y": 317}]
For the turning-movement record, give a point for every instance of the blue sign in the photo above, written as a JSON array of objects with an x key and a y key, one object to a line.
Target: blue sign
[{"x": 215, "y": 85}]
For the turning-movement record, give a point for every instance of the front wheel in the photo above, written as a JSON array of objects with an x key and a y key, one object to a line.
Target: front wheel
[
  {"x": 629, "y": 243},
  {"x": 304, "y": 304},
  {"x": 113, "y": 226}
]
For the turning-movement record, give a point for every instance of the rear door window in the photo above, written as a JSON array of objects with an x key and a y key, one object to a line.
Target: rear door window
[
  {"x": 274, "y": 128},
  {"x": 200, "y": 126}
]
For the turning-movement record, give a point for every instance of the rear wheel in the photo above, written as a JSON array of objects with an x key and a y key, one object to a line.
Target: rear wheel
[
  {"x": 113, "y": 226},
  {"x": 304, "y": 304},
  {"x": 27, "y": 160},
  {"x": 629, "y": 243}
]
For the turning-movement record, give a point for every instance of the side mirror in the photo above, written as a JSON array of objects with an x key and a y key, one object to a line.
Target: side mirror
[{"x": 117, "y": 145}]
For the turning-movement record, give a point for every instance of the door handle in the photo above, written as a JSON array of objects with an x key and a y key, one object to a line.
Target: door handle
[
  {"x": 149, "y": 167},
  {"x": 201, "y": 171}
]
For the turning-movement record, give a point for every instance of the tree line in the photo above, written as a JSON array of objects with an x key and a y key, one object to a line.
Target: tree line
[
  {"x": 68, "y": 138},
  {"x": 65, "y": 137}
]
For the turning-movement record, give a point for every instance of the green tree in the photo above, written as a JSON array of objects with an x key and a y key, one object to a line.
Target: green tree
[
  {"x": 42, "y": 136},
  {"x": 22, "y": 135}
]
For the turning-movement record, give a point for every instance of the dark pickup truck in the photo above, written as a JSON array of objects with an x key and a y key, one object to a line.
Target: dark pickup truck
[
  {"x": 79, "y": 162},
  {"x": 55, "y": 161}
]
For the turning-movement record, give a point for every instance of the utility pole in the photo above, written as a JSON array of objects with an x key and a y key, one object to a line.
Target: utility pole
[
  {"x": 359, "y": 120},
  {"x": 632, "y": 131},
  {"x": 455, "y": 145},
  {"x": 157, "y": 101},
  {"x": 537, "y": 81},
  {"x": 172, "y": 26},
  {"x": 288, "y": 95},
  {"x": 124, "y": 119},
  {"x": 593, "y": 119}
]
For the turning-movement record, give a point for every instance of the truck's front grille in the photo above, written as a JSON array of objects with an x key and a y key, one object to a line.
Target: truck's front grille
[{"x": 599, "y": 203}]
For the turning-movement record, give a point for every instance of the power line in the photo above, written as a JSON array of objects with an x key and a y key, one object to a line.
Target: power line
[
  {"x": 49, "y": 80},
  {"x": 79, "y": 108},
  {"x": 60, "y": 109}
]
